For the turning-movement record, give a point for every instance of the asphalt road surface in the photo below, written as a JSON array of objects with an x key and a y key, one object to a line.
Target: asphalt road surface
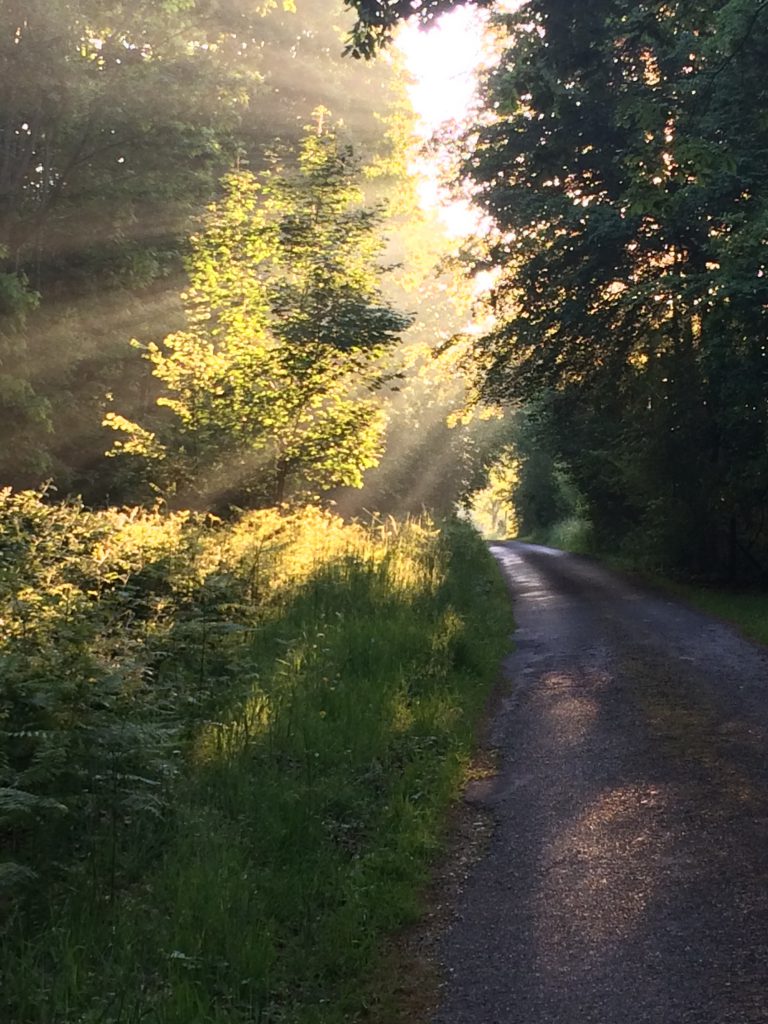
[{"x": 627, "y": 877}]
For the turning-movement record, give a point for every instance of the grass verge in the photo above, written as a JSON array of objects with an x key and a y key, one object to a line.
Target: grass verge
[{"x": 250, "y": 736}]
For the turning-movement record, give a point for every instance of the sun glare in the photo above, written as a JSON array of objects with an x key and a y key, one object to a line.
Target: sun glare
[{"x": 443, "y": 62}]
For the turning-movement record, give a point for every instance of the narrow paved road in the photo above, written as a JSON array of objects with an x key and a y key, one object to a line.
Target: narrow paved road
[{"x": 627, "y": 878}]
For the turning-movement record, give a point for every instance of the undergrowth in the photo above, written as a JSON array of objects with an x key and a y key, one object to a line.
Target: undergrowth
[
  {"x": 225, "y": 754},
  {"x": 572, "y": 534}
]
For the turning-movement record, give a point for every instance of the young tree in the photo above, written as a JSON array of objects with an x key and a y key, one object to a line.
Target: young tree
[
  {"x": 268, "y": 390},
  {"x": 117, "y": 121}
]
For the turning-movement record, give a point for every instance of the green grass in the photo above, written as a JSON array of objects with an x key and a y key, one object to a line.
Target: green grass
[
  {"x": 251, "y": 865},
  {"x": 746, "y": 609},
  {"x": 572, "y": 534}
]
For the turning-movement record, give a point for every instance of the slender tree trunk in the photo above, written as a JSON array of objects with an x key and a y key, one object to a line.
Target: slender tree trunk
[{"x": 281, "y": 477}]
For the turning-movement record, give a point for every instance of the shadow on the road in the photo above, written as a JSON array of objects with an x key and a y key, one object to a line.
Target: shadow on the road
[{"x": 628, "y": 878}]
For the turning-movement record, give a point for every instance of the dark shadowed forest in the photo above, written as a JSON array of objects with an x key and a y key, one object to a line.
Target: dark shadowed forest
[{"x": 619, "y": 154}]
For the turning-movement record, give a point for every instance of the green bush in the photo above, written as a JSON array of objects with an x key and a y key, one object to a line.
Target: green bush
[{"x": 572, "y": 534}]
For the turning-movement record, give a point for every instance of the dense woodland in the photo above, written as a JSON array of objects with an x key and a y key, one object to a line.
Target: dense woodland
[
  {"x": 238, "y": 678},
  {"x": 112, "y": 153},
  {"x": 620, "y": 152}
]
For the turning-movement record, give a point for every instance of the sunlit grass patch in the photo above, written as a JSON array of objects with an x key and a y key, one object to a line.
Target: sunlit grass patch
[{"x": 267, "y": 721}]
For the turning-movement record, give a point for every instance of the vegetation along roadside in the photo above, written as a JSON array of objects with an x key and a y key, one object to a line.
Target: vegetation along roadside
[{"x": 227, "y": 753}]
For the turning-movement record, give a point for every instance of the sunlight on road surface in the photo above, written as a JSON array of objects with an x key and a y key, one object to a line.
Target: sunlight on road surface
[
  {"x": 604, "y": 866},
  {"x": 570, "y": 711},
  {"x": 532, "y": 583}
]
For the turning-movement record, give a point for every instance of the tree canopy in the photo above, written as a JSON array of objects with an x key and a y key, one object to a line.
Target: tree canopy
[
  {"x": 619, "y": 156},
  {"x": 622, "y": 164}
]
